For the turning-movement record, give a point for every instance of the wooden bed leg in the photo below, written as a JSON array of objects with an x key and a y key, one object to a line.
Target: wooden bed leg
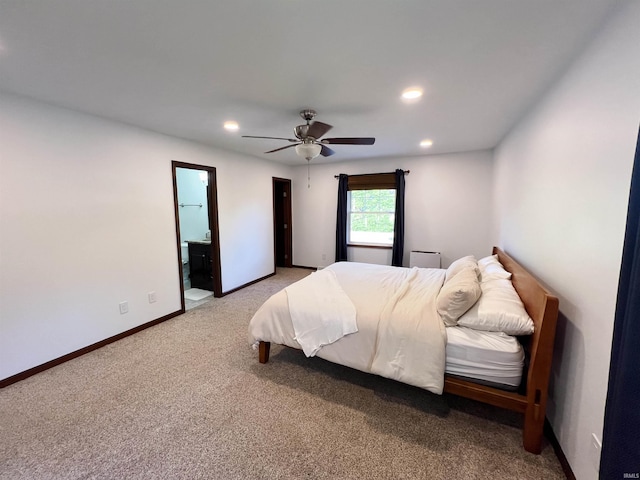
[
  {"x": 263, "y": 352},
  {"x": 533, "y": 426}
]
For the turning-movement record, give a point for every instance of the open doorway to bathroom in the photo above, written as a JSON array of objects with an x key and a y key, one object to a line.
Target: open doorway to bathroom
[{"x": 197, "y": 234}]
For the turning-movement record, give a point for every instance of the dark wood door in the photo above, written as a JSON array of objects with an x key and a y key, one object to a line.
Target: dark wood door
[{"x": 282, "y": 222}]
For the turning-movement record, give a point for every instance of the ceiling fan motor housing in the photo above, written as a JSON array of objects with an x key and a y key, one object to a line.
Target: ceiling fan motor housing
[{"x": 301, "y": 131}]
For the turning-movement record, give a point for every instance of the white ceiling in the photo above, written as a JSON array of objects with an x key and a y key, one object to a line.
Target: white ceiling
[{"x": 183, "y": 67}]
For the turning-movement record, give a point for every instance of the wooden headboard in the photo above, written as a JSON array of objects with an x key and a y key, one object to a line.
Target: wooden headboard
[{"x": 542, "y": 307}]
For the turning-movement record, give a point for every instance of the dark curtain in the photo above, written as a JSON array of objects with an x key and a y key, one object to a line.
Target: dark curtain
[
  {"x": 620, "y": 443},
  {"x": 398, "y": 229},
  {"x": 341, "y": 219}
]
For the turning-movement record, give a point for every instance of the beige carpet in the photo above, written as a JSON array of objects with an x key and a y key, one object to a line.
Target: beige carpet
[{"x": 188, "y": 399}]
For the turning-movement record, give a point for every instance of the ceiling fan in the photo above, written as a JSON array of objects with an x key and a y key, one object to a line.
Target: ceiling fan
[{"x": 308, "y": 143}]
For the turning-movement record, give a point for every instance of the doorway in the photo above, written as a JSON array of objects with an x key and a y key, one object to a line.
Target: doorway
[
  {"x": 197, "y": 234},
  {"x": 282, "y": 236}
]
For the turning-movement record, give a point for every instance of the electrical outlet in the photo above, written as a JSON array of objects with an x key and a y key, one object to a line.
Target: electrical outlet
[
  {"x": 152, "y": 297},
  {"x": 124, "y": 307},
  {"x": 596, "y": 447}
]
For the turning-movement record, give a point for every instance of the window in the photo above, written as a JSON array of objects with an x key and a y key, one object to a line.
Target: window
[
  {"x": 371, "y": 216},
  {"x": 371, "y": 213}
]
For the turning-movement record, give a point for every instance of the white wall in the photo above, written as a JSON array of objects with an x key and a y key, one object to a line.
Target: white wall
[
  {"x": 245, "y": 204},
  {"x": 562, "y": 186},
  {"x": 448, "y": 207},
  {"x": 87, "y": 221}
]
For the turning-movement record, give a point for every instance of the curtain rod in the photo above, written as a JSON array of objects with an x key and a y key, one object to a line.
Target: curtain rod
[{"x": 406, "y": 172}]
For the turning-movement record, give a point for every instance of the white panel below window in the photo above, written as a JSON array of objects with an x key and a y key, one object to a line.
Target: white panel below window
[{"x": 423, "y": 259}]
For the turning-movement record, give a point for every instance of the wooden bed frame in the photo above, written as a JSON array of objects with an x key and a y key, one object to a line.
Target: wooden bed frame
[{"x": 531, "y": 399}]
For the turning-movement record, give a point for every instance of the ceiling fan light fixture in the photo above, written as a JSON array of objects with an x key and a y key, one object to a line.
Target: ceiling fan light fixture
[{"x": 308, "y": 151}]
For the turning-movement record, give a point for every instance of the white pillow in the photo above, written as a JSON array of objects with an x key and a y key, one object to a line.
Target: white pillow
[
  {"x": 458, "y": 295},
  {"x": 483, "y": 262},
  {"x": 499, "y": 309},
  {"x": 490, "y": 268},
  {"x": 457, "y": 266}
]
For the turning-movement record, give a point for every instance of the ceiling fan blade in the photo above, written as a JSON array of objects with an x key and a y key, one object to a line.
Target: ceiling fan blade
[
  {"x": 272, "y": 138},
  {"x": 318, "y": 129},
  {"x": 326, "y": 151},
  {"x": 350, "y": 141},
  {"x": 282, "y": 148}
]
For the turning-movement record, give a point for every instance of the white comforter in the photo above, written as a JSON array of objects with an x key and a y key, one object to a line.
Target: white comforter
[{"x": 400, "y": 334}]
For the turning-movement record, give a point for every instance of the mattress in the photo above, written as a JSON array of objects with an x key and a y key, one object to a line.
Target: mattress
[{"x": 493, "y": 358}]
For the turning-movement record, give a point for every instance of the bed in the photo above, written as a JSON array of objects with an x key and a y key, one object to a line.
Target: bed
[{"x": 434, "y": 347}]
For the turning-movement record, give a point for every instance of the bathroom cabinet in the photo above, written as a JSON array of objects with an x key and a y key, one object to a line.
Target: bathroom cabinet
[{"x": 200, "y": 265}]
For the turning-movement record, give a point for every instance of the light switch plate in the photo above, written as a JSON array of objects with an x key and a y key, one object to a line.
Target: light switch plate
[{"x": 124, "y": 307}]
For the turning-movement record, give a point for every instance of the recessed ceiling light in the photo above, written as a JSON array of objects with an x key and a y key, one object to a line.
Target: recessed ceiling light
[
  {"x": 231, "y": 126},
  {"x": 412, "y": 93},
  {"x": 426, "y": 143}
]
